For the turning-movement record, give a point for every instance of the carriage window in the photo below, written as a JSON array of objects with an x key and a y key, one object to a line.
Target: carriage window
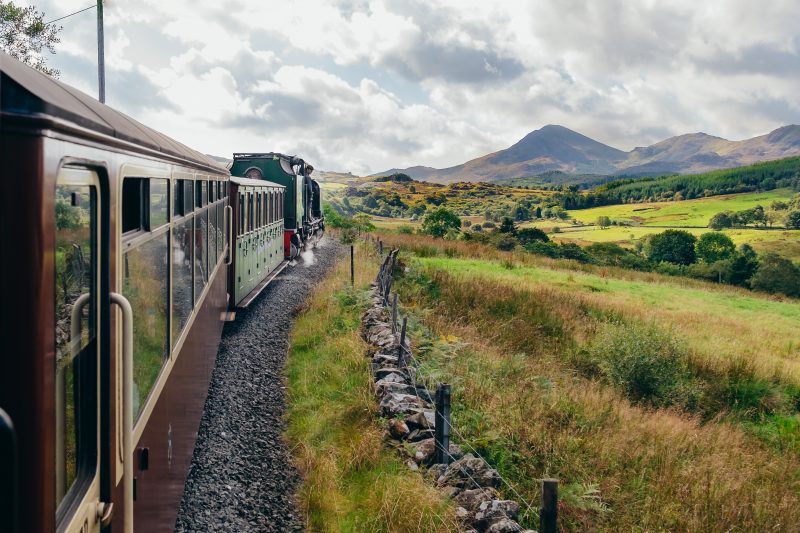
[
  {"x": 199, "y": 193},
  {"x": 177, "y": 198},
  {"x": 146, "y": 286},
  {"x": 221, "y": 235},
  {"x": 249, "y": 211},
  {"x": 159, "y": 203},
  {"x": 76, "y": 358},
  {"x": 212, "y": 238},
  {"x": 212, "y": 192},
  {"x": 200, "y": 253},
  {"x": 241, "y": 215},
  {"x": 188, "y": 196},
  {"x": 182, "y": 281},
  {"x": 133, "y": 205}
]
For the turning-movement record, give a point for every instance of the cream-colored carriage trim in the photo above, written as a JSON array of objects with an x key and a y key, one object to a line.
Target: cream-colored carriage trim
[{"x": 127, "y": 410}]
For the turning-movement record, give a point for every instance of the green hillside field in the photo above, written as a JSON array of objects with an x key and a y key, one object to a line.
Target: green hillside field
[
  {"x": 686, "y": 213},
  {"x": 784, "y": 242}
]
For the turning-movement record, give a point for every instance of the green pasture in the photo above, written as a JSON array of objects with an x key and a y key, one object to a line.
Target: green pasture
[
  {"x": 683, "y": 213},
  {"x": 722, "y": 324},
  {"x": 784, "y": 242}
]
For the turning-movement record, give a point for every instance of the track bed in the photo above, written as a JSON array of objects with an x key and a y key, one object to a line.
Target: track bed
[{"x": 241, "y": 477}]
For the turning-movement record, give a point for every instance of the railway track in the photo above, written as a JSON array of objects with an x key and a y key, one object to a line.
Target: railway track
[{"x": 241, "y": 477}]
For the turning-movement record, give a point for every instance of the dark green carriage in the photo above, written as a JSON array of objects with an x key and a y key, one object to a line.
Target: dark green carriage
[{"x": 302, "y": 202}]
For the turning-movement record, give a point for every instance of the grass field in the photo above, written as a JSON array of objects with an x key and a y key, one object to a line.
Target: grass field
[
  {"x": 351, "y": 481},
  {"x": 509, "y": 339},
  {"x": 685, "y": 213},
  {"x": 763, "y": 331}
]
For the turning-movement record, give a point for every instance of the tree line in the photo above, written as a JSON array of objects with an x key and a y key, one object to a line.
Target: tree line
[{"x": 782, "y": 173}]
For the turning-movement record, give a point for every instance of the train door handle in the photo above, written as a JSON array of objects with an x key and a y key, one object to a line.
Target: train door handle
[
  {"x": 127, "y": 407},
  {"x": 105, "y": 512}
]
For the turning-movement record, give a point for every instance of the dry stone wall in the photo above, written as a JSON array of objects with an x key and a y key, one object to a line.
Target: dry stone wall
[{"x": 410, "y": 411}]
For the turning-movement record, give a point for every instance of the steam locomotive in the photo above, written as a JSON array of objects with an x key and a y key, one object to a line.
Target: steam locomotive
[{"x": 123, "y": 253}]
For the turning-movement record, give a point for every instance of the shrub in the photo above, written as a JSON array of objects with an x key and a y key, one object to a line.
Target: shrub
[
  {"x": 526, "y": 235},
  {"x": 440, "y": 222},
  {"x": 793, "y": 220},
  {"x": 776, "y": 274},
  {"x": 647, "y": 364},
  {"x": 547, "y": 249},
  {"x": 405, "y": 230}
]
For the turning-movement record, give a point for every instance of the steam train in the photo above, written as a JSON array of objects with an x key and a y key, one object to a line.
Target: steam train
[{"x": 123, "y": 253}]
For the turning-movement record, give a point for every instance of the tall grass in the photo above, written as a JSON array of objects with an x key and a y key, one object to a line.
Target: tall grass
[
  {"x": 351, "y": 481},
  {"x": 529, "y": 399}
]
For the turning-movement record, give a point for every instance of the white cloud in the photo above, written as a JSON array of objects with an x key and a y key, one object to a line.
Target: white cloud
[{"x": 312, "y": 76}]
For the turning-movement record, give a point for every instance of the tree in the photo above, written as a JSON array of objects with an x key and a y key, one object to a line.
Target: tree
[
  {"x": 793, "y": 220},
  {"x": 507, "y": 226},
  {"x": 744, "y": 264},
  {"x": 23, "y": 35},
  {"x": 538, "y": 212},
  {"x": 603, "y": 222},
  {"x": 521, "y": 213},
  {"x": 438, "y": 222},
  {"x": 714, "y": 246},
  {"x": 776, "y": 274},
  {"x": 721, "y": 221},
  {"x": 673, "y": 246}
]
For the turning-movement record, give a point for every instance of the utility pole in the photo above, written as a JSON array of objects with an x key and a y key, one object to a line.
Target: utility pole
[{"x": 101, "y": 59}]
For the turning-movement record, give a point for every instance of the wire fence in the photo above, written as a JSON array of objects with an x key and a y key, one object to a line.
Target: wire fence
[{"x": 406, "y": 358}]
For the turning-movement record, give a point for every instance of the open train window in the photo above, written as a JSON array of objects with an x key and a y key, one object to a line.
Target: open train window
[
  {"x": 145, "y": 204},
  {"x": 200, "y": 193},
  {"x": 134, "y": 212}
]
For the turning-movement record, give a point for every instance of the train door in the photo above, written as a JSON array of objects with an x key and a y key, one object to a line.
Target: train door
[{"x": 81, "y": 331}]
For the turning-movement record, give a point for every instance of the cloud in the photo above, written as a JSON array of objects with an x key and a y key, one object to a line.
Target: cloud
[{"x": 365, "y": 85}]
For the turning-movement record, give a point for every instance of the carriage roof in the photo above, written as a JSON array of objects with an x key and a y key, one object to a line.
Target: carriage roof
[{"x": 26, "y": 91}]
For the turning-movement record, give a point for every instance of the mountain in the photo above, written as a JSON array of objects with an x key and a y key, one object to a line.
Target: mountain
[{"x": 556, "y": 148}]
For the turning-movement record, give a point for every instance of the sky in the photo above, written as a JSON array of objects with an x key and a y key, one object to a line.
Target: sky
[{"x": 364, "y": 86}]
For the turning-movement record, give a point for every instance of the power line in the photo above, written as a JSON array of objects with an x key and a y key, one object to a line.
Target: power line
[{"x": 67, "y": 16}]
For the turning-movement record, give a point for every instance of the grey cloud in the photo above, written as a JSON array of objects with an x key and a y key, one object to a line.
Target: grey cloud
[
  {"x": 456, "y": 64},
  {"x": 761, "y": 58}
]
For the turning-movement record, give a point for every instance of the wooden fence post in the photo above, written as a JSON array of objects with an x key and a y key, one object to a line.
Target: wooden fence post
[
  {"x": 380, "y": 246},
  {"x": 549, "y": 512},
  {"x": 394, "y": 313},
  {"x": 442, "y": 424},
  {"x": 401, "y": 350},
  {"x": 352, "y": 267}
]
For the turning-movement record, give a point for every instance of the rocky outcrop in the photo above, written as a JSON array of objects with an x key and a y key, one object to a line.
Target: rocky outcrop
[{"x": 410, "y": 412}]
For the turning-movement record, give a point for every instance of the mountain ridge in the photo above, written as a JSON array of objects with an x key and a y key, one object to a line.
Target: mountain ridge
[{"x": 557, "y": 148}]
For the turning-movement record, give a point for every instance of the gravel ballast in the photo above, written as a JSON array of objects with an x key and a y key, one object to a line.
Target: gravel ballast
[{"x": 241, "y": 476}]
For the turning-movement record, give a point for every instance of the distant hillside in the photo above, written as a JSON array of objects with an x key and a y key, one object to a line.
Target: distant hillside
[
  {"x": 556, "y": 149},
  {"x": 769, "y": 175}
]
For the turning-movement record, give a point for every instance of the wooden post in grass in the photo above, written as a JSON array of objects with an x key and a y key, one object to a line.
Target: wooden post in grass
[
  {"x": 442, "y": 424},
  {"x": 401, "y": 350},
  {"x": 352, "y": 267},
  {"x": 394, "y": 313},
  {"x": 549, "y": 512},
  {"x": 380, "y": 246}
]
